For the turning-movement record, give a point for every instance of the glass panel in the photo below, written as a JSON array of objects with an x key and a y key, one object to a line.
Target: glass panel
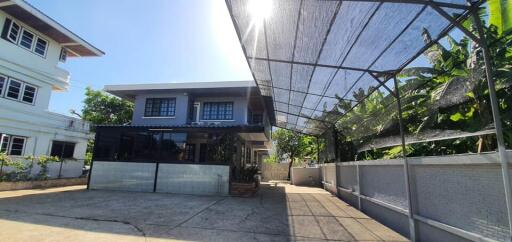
[
  {"x": 29, "y": 94},
  {"x": 160, "y": 107},
  {"x": 17, "y": 144},
  {"x": 27, "y": 39},
  {"x": 40, "y": 48},
  {"x": 14, "y": 32},
  {"x": 218, "y": 111},
  {"x": 69, "y": 149},
  {"x": 4, "y": 142},
  {"x": 14, "y": 89}
]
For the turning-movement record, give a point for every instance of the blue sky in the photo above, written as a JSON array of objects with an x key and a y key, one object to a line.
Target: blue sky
[{"x": 147, "y": 42}]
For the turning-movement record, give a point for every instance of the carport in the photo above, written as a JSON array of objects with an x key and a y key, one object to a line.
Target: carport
[{"x": 318, "y": 61}]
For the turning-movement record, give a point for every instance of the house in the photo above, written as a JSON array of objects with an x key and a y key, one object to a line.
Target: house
[
  {"x": 190, "y": 137},
  {"x": 31, "y": 47}
]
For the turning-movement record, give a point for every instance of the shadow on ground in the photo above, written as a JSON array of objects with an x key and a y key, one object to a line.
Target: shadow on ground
[{"x": 279, "y": 212}]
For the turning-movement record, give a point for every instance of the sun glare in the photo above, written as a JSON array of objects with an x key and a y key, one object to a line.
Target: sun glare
[{"x": 260, "y": 9}]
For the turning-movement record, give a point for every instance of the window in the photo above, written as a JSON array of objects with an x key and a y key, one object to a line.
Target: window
[
  {"x": 189, "y": 152},
  {"x": 12, "y": 145},
  {"x": 3, "y": 80},
  {"x": 160, "y": 107},
  {"x": 29, "y": 93},
  {"x": 4, "y": 143},
  {"x": 218, "y": 111},
  {"x": 27, "y": 39},
  {"x": 62, "y": 149},
  {"x": 17, "y": 90},
  {"x": 63, "y": 55},
  {"x": 14, "y": 89},
  {"x": 40, "y": 47},
  {"x": 14, "y": 32}
]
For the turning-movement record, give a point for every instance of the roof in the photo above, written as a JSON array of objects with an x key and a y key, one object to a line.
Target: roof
[
  {"x": 189, "y": 127},
  {"x": 308, "y": 55},
  {"x": 36, "y": 19},
  {"x": 128, "y": 91}
]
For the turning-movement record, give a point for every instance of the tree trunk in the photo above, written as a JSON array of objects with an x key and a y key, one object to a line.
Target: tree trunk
[{"x": 290, "y": 168}]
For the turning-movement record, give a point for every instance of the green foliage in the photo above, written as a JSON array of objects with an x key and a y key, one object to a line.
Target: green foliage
[
  {"x": 222, "y": 148},
  {"x": 247, "y": 173},
  {"x": 101, "y": 108},
  {"x": 272, "y": 159},
  {"x": 20, "y": 171},
  {"x": 500, "y": 14},
  {"x": 43, "y": 162},
  {"x": 433, "y": 99},
  {"x": 293, "y": 145}
]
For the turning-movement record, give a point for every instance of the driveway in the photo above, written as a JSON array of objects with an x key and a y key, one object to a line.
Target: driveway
[{"x": 277, "y": 213}]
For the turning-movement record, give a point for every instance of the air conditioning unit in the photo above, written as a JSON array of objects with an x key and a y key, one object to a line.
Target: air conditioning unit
[{"x": 213, "y": 123}]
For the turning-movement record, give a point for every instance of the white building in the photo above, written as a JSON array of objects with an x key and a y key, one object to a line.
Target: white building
[{"x": 31, "y": 46}]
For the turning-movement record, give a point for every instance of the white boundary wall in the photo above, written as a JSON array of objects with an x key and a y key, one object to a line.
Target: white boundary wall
[
  {"x": 457, "y": 198},
  {"x": 274, "y": 171},
  {"x": 70, "y": 168}
]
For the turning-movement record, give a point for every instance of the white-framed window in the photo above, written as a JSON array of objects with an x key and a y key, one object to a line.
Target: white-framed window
[
  {"x": 14, "y": 89},
  {"x": 12, "y": 145},
  {"x": 14, "y": 32},
  {"x": 3, "y": 81},
  {"x": 27, "y": 39},
  {"x": 18, "y": 90},
  {"x": 29, "y": 94},
  {"x": 41, "y": 46}
]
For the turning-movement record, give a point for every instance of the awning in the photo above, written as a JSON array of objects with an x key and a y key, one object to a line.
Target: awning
[{"x": 308, "y": 55}]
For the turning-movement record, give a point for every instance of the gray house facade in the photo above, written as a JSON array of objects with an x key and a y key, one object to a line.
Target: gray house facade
[{"x": 184, "y": 138}]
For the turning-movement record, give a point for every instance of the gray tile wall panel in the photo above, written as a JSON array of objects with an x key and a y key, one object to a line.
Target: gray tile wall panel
[{"x": 123, "y": 176}]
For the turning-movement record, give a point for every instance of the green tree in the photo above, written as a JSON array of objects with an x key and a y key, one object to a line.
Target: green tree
[
  {"x": 101, "y": 108},
  {"x": 293, "y": 145}
]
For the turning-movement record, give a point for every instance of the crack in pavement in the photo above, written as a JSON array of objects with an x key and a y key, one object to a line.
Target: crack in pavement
[{"x": 140, "y": 230}]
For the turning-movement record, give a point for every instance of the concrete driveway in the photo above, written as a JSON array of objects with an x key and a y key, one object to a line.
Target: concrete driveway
[{"x": 277, "y": 213}]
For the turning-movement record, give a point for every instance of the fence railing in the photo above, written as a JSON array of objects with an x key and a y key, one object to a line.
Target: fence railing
[
  {"x": 458, "y": 197},
  {"x": 67, "y": 168}
]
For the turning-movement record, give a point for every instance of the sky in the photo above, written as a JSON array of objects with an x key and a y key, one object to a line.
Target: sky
[{"x": 154, "y": 41}]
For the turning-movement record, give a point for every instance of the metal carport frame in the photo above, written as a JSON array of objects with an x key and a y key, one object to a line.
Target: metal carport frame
[{"x": 279, "y": 63}]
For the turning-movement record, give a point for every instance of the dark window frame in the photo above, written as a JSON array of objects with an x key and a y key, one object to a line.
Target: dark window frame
[
  {"x": 217, "y": 111},
  {"x": 160, "y": 107},
  {"x": 64, "y": 152}
]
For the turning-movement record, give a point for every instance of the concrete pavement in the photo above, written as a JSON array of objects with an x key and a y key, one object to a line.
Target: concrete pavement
[{"x": 277, "y": 213}]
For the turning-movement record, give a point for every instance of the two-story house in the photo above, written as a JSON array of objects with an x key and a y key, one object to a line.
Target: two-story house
[
  {"x": 206, "y": 131},
  {"x": 31, "y": 47}
]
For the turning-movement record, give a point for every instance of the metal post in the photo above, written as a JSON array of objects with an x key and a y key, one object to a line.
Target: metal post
[
  {"x": 497, "y": 121},
  {"x": 335, "y": 137},
  {"x": 317, "y": 150},
  {"x": 412, "y": 225},
  {"x": 359, "y": 194},
  {"x": 60, "y": 168}
]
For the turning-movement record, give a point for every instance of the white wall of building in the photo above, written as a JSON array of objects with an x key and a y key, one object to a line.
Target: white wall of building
[{"x": 39, "y": 126}]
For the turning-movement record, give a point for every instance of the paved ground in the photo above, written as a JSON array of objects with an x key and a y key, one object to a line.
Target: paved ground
[{"x": 277, "y": 213}]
